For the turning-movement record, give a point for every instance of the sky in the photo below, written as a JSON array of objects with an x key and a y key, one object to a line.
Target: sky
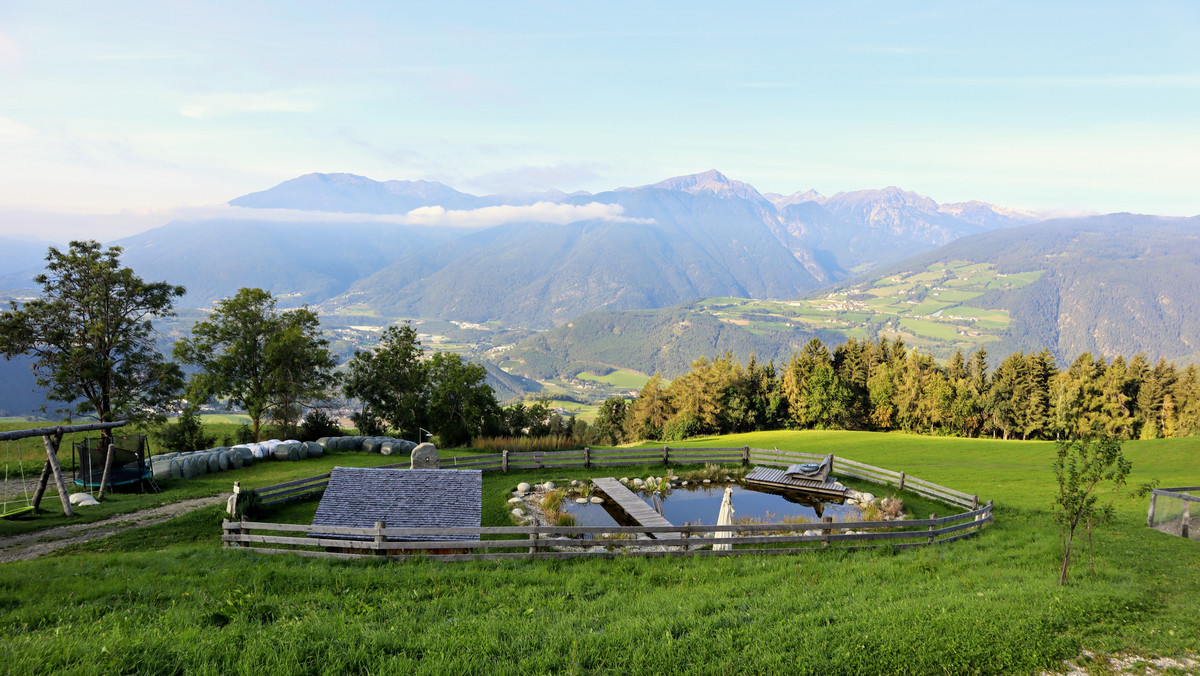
[{"x": 114, "y": 116}]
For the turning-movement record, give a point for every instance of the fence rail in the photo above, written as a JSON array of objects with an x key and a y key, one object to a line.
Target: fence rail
[
  {"x": 572, "y": 542},
  {"x": 1166, "y": 519},
  {"x": 497, "y": 542}
]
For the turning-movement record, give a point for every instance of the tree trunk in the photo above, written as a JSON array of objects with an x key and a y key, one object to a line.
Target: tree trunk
[{"x": 1062, "y": 578}]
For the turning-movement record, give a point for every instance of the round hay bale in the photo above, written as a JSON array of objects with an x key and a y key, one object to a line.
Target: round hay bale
[
  {"x": 334, "y": 444},
  {"x": 314, "y": 449},
  {"x": 201, "y": 464},
  {"x": 301, "y": 450},
  {"x": 214, "y": 462},
  {"x": 223, "y": 461},
  {"x": 356, "y": 443},
  {"x": 407, "y": 446},
  {"x": 160, "y": 467},
  {"x": 191, "y": 468},
  {"x": 176, "y": 468},
  {"x": 280, "y": 452},
  {"x": 235, "y": 459},
  {"x": 387, "y": 448},
  {"x": 323, "y": 442},
  {"x": 174, "y": 454},
  {"x": 371, "y": 444}
]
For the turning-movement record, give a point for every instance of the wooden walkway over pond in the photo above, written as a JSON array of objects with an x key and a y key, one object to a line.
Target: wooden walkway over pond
[{"x": 635, "y": 507}]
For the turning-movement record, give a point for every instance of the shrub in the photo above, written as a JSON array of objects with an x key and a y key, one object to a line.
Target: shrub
[
  {"x": 187, "y": 434},
  {"x": 317, "y": 424}
]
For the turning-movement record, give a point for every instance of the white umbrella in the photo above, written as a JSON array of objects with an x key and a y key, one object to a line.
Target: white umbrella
[{"x": 725, "y": 518}]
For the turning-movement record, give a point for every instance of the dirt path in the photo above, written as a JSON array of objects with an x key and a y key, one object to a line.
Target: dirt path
[{"x": 37, "y": 543}]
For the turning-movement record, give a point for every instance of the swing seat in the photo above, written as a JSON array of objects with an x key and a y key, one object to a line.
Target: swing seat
[{"x": 17, "y": 512}]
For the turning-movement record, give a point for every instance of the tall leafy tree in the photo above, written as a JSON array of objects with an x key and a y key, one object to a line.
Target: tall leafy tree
[
  {"x": 461, "y": 403},
  {"x": 91, "y": 336},
  {"x": 267, "y": 361},
  {"x": 390, "y": 381}
]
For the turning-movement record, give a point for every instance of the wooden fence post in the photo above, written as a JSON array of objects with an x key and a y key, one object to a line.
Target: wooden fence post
[
  {"x": 1184, "y": 518},
  {"x": 745, "y": 456},
  {"x": 379, "y": 526},
  {"x": 901, "y": 481},
  {"x": 1150, "y": 514},
  {"x": 504, "y": 461},
  {"x": 587, "y": 457},
  {"x": 533, "y": 548},
  {"x": 932, "y": 528},
  {"x": 974, "y": 502},
  {"x": 666, "y": 454},
  {"x": 825, "y": 541},
  {"x": 242, "y": 530}
]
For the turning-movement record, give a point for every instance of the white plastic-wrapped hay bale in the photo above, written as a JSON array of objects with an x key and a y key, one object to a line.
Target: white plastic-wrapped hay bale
[
  {"x": 389, "y": 447},
  {"x": 161, "y": 467},
  {"x": 244, "y": 451},
  {"x": 176, "y": 467},
  {"x": 234, "y": 458},
  {"x": 190, "y": 468},
  {"x": 355, "y": 443},
  {"x": 281, "y": 452},
  {"x": 315, "y": 450},
  {"x": 222, "y": 460},
  {"x": 323, "y": 442},
  {"x": 406, "y": 446},
  {"x": 213, "y": 460},
  {"x": 371, "y": 444},
  {"x": 301, "y": 450}
]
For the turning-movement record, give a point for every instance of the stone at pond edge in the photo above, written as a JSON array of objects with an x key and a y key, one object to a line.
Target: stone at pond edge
[
  {"x": 549, "y": 485},
  {"x": 515, "y": 501},
  {"x": 581, "y": 501},
  {"x": 597, "y": 500},
  {"x": 523, "y": 487},
  {"x": 519, "y": 513}
]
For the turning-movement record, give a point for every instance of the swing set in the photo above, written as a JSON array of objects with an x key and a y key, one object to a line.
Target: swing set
[{"x": 51, "y": 438}]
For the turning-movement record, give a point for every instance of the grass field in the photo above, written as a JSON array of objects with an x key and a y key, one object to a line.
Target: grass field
[
  {"x": 630, "y": 380},
  {"x": 167, "y": 599}
]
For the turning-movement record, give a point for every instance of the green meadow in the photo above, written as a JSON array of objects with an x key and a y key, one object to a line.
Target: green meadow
[{"x": 168, "y": 599}]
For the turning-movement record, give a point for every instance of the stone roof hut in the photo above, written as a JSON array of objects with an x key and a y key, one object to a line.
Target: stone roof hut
[{"x": 357, "y": 497}]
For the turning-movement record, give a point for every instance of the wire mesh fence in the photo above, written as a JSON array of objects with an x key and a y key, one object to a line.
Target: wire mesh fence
[{"x": 1176, "y": 511}]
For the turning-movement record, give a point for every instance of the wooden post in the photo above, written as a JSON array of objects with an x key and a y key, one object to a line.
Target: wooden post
[
  {"x": 666, "y": 454},
  {"x": 533, "y": 548},
  {"x": 745, "y": 456},
  {"x": 56, "y": 469},
  {"x": 1153, "y": 505},
  {"x": 242, "y": 529},
  {"x": 825, "y": 542},
  {"x": 41, "y": 487},
  {"x": 224, "y": 530},
  {"x": 504, "y": 461},
  {"x": 974, "y": 502},
  {"x": 587, "y": 457},
  {"x": 107, "y": 476},
  {"x": 932, "y": 528},
  {"x": 1184, "y": 518},
  {"x": 901, "y": 481},
  {"x": 237, "y": 494},
  {"x": 379, "y": 525}
]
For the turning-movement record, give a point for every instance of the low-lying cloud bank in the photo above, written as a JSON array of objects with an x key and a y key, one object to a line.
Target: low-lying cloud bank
[{"x": 483, "y": 217}]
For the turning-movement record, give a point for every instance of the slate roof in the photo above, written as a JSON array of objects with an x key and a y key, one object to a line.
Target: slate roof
[{"x": 357, "y": 497}]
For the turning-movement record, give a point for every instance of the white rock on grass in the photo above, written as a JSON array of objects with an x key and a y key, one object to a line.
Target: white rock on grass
[
  {"x": 523, "y": 487},
  {"x": 867, "y": 498},
  {"x": 639, "y": 483},
  {"x": 624, "y": 479},
  {"x": 549, "y": 485},
  {"x": 519, "y": 513},
  {"x": 515, "y": 501},
  {"x": 576, "y": 482},
  {"x": 707, "y": 481}
]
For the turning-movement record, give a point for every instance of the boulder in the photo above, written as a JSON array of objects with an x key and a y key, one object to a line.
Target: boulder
[
  {"x": 523, "y": 487},
  {"x": 581, "y": 501},
  {"x": 519, "y": 513},
  {"x": 515, "y": 501},
  {"x": 549, "y": 485},
  {"x": 424, "y": 456},
  {"x": 596, "y": 500}
]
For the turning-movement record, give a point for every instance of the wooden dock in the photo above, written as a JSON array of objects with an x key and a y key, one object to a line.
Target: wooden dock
[{"x": 635, "y": 507}]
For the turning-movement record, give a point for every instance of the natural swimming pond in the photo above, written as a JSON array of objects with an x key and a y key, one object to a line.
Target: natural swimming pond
[{"x": 700, "y": 504}]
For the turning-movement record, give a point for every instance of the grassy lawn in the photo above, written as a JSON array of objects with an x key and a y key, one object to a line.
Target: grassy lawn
[
  {"x": 621, "y": 378},
  {"x": 168, "y": 599}
]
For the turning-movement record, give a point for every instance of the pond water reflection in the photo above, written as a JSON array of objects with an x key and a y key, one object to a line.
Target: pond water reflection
[{"x": 700, "y": 504}]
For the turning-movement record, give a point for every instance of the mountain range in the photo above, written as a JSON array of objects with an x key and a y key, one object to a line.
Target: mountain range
[{"x": 650, "y": 246}]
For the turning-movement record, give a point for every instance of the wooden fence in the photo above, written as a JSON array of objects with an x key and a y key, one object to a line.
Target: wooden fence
[
  {"x": 574, "y": 541},
  {"x": 1182, "y": 527}
]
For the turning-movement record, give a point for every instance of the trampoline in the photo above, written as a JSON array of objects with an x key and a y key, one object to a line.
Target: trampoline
[{"x": 129, "y": 466}]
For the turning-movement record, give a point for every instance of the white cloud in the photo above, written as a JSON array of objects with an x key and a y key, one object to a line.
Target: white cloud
[
  {"x": 233, "y": 103},
  {"x": 10, "y": 52},
  {"x": 11, "y": 131},
  {"x": 484, "y": 217}
]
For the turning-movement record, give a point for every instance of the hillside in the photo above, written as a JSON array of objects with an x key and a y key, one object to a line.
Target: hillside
[{"x": 1114, "y": 285}]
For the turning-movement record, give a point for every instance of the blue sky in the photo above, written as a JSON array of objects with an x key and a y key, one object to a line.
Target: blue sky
[{"x": 139, "y": 109}]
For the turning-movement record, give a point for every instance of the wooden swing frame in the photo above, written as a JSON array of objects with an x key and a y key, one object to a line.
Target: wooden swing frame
[{"x": 52, "y": 437}]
